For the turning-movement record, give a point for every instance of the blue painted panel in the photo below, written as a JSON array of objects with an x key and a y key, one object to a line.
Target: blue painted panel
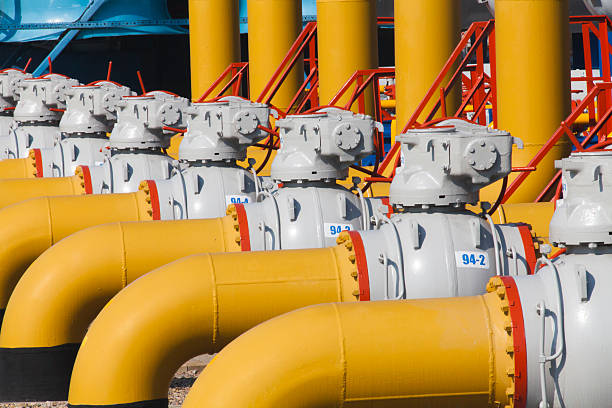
[
  {"x": 16, "y": 12},
  {"x": 49, "y": 11}
]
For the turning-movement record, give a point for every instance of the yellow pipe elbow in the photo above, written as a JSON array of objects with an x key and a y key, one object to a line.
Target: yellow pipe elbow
[
  {"x": 20, "y": 189},
  {"x": 193, "y": 306},
  {"x": 17, "y": 168},
  {"x": 67, "y": 286},
  {"x": 434, "y": 353},
  {"x": 30, "y": 227}
]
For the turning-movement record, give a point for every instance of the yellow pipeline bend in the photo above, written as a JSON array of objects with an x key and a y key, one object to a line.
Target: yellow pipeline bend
[
  {"x": 193, "y": 306},
  {"x": 17, "y": 168},
  {"x": 15, "y": 190},
  {"x": 433, "y": 353},
  {"x": 30, "y": 227},
  {"x": 67, "y": 286}
]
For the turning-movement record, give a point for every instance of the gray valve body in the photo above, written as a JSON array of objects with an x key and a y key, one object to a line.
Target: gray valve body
[
  {"x": 310, "y": 209},
  {"x": 207, "y": 178},
  {"x": 90, "y": 114},
  {"x": 9, "y": 95},
  {"x": 137, "y": 143},
  {"x": 434, "y": 247},
  {"x": 37, "y": 115},
  {"x": 305, "y": 215},
  {"x": 441, "y": 253},
  {"x": 565, "y": 306}
]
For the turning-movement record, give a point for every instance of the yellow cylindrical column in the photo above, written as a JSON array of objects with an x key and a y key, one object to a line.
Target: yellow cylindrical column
[
  {"x": 214, "y": 41},
  {"x": 274, "y": 25},
  {"x": 426, "y": 33},
  {"x": 347, "y": 42},
  {"x": 533, "y": 81}
]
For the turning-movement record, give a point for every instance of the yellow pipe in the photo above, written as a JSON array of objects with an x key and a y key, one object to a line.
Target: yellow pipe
[
  {"x": 67, "y": 286},
  {"x": 388, "y": 104},
  {"x": 15, "y": 190},
  {"x": 175, "y": 143},
  {"x": 538, "y": 215},
  {"x": 411, "y": 353},
  {"x": 426, "y": 33},
  {"x": 214, "y": 41},
  {"x": 199, "y": 303},
  {"x": 30, "y": 227},
  {"x": 347, "y": 41},
  {"x": 533, "y": 81},
  {"x": 274, "y": 25},
  {"x": 17, "y": 168}
]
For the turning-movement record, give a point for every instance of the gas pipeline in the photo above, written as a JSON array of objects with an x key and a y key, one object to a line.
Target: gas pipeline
[
  {"x": 137, "y": 146},
  {"x": 96, "y": 263},
  {"x": 526, "y": 343},
  {"x": 430, "y": 247}
]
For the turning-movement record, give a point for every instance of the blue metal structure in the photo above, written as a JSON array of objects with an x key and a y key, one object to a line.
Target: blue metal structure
[
  {"x": 48, "y": 19},
  {"x": 65, "y": 20},
  {"x": 34, "y": 20}
]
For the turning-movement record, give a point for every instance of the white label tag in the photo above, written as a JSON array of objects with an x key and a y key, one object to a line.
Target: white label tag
[
  {"x": 236, "y": 199},
  {"x": 467, "y": 259},
  {"x": 333, "y": 230}
]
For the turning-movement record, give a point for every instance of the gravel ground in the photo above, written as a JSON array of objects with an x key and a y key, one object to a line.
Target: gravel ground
[{"x": 180, "y": 386}]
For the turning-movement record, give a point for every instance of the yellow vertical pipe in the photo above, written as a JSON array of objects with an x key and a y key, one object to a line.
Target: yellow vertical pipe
[
  {"x": 533, "y": 81},
  {"x": 347, "y": 42},
  {"x": 274, "y": 25},
  {"x": 214, "y": 41},
  {"x": 426, "y": 33}
]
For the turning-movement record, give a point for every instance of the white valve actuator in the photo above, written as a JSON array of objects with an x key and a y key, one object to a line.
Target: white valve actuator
[{"x": 322, "y": 145}]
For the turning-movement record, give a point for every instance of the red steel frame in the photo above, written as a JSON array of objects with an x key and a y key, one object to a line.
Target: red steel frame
[
  {"x": 599, "y": 91},
  {"x": 478, "y": 90},
  {"x": 481, "y": 87},
  {"x": 305, "y": 41},
  {"x": 238, "y": 72}
]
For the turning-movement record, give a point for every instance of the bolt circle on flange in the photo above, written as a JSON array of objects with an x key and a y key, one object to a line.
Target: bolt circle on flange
[
  {"x": 170, "y": 114},
  {"x": 346, "y": 137},
  {"x": 245, "y": 122},
  {"x": 481, "y": 155}
]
